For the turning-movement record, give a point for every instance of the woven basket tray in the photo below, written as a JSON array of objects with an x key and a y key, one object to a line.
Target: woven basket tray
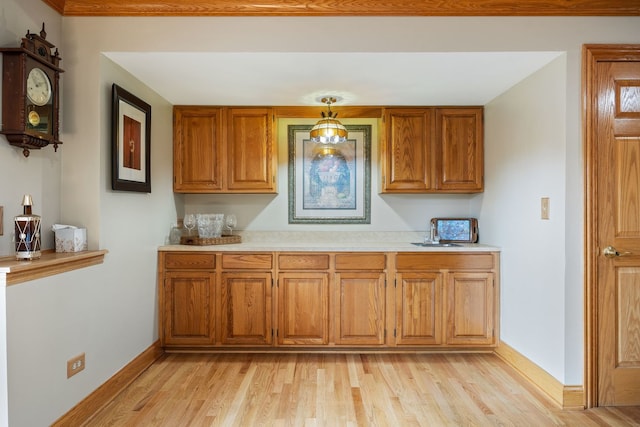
[{"x": 197, "y": 241}]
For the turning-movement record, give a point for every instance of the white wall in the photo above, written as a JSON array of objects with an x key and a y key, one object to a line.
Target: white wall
[
  {"x": 525, "y": 161},
  {"x": 109, "y": 311},
  {"x": 38, "y": 174}
]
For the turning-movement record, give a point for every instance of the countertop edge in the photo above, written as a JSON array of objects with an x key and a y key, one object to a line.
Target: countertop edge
[
  {"x": 49, "y": 264},
  {"x": 328, "y": 247}
]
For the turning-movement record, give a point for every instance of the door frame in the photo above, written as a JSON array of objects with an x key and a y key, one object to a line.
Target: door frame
[{"x": 591, "y": 55}]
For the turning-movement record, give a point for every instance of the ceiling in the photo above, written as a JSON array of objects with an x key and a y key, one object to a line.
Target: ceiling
[
  {"x": 454, "y": 78},
  {"x": 285, "y": 79}
]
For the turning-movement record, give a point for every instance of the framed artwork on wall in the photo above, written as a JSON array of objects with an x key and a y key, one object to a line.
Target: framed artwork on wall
[
  {"x": 329, "y": 183},
  {"x": 131, "y": 142}
]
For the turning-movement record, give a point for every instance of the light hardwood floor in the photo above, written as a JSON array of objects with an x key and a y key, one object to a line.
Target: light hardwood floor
[{"x": 341, "y": 390}]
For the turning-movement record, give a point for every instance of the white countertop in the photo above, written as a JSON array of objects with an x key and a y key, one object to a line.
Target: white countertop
[{"x": 332, "y": 242}]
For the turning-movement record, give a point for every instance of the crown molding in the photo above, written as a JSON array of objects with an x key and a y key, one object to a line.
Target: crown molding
[{"x": 351, "y": 8}]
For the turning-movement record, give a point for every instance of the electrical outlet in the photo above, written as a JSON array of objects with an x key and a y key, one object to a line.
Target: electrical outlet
[
  {"x": 75, "y": 365},
  {"x": 544, "y": 208}
]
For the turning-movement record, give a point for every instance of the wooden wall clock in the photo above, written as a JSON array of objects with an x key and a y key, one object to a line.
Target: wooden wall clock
[{"x": 31, "y": 93}]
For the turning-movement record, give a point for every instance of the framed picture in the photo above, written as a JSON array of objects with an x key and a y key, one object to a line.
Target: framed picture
[
  {"x": 330, "y": 183},
  {"x": 131, "y": 142}
]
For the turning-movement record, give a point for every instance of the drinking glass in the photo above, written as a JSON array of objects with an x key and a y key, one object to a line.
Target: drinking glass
[
  {"x": 189, "y": 223},
  {"x": 231, "y": 222},
  {"x": 204, "y": 225},
  {"x": 216, "y": 225}
]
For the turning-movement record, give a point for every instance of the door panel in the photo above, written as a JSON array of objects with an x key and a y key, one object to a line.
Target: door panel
[
  {"x": 303, "y": 308},
  {"x": 197, "y": 149},
  {"x": 419, "y": 308},
  {"x": 188, "y": 312},
  {"x": 246, "y": 308},
  {"x": 250, "y": 164},
  {"x": 407, "y": 153},
  {"x": 617, "y": 139},
  {"x": 460, "y": 151},
  {"x": 470, "y": 308},
  {"x": 361, "y": 311},
  {"x": 628, "y": 291}
]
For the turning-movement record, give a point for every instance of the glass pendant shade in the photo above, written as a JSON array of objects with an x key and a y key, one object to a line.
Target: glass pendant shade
[{"x": 329, "y": 130}]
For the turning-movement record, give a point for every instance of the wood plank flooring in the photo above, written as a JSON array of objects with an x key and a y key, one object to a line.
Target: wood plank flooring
[{"x": 341, "y": 390}]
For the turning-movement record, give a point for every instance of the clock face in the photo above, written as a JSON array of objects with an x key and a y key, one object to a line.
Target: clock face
[{"x": 38, "y": 87}]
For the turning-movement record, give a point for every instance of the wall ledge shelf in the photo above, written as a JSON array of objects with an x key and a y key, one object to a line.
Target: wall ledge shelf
[{"x": 49, "y": 264}]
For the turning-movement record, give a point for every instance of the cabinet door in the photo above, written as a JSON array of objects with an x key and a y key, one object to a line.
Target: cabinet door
[
  {"x": 246, "y": 308},
  {"x": 459, "y": 150},
  {"x": 251, "y": 156},
  {"x": 419, "y": 308},
  {"x": 407, "y": 155},
  {"x": 361, "y": 308},
  {"x": 470, "y": 308},
  {"x": 197, "y": 149},
  {"x": 303, "y": 308},
  {"x": 188, "y": 311}
]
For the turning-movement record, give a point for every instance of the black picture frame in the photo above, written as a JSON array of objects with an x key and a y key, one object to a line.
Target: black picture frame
[{"x": 130, "y": 142}]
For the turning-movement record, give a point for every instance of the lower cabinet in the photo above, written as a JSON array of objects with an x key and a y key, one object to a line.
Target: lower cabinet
[
  {"x": 303, "y": 315},
  {"x": 187, "y": 299},
  {"x": 303, "y": 299},
  {"x": 419, "y": 308},
  {"x": 246, "y": 308},
  {"x": 360, "y": 314},
  {"x": 446, "y": 299},
  {"x": 470, "y": 308},
  {"x": 406, "y": 300},
  {"x": 245, "y": 299},
  {"x": 360, "y": 282}
]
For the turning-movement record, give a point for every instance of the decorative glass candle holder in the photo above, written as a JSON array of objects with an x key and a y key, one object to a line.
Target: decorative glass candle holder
[{"x": 27, "y": 232}]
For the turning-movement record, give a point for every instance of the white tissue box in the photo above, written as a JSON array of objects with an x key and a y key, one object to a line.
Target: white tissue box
[{"x": 71, "y": 239}]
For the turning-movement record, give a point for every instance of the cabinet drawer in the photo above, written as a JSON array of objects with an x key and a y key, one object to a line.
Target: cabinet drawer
[
  {"x": 303, "y": 262},
  {"x": 182, "y": 260},
  {"x": 444, "y": 261},
  {"x": 360, "y": 261},
  {"x": 248, "y": 260}
]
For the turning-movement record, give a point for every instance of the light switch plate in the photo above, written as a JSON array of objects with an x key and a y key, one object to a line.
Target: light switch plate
[
  {"x": 1, "y": 220},
  {"x": 544, "y": 208}
]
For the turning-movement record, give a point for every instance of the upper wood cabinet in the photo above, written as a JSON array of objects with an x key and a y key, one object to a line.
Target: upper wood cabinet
[
  {"x": 432, "y": 150},
  {"x": 197, "y": 149},
  {"x": 251, "y": 153},
  {"x": 223, "y": 150},
  {"x": 459, "y": 150},
  {"x": 406, "y": 152}
]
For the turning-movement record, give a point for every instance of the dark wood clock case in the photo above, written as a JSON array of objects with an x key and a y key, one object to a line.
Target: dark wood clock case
[{"x": 34, "y": 51}]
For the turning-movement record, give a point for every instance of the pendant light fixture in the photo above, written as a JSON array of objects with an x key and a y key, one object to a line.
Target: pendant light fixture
[{"x": 329, "y": 130}]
